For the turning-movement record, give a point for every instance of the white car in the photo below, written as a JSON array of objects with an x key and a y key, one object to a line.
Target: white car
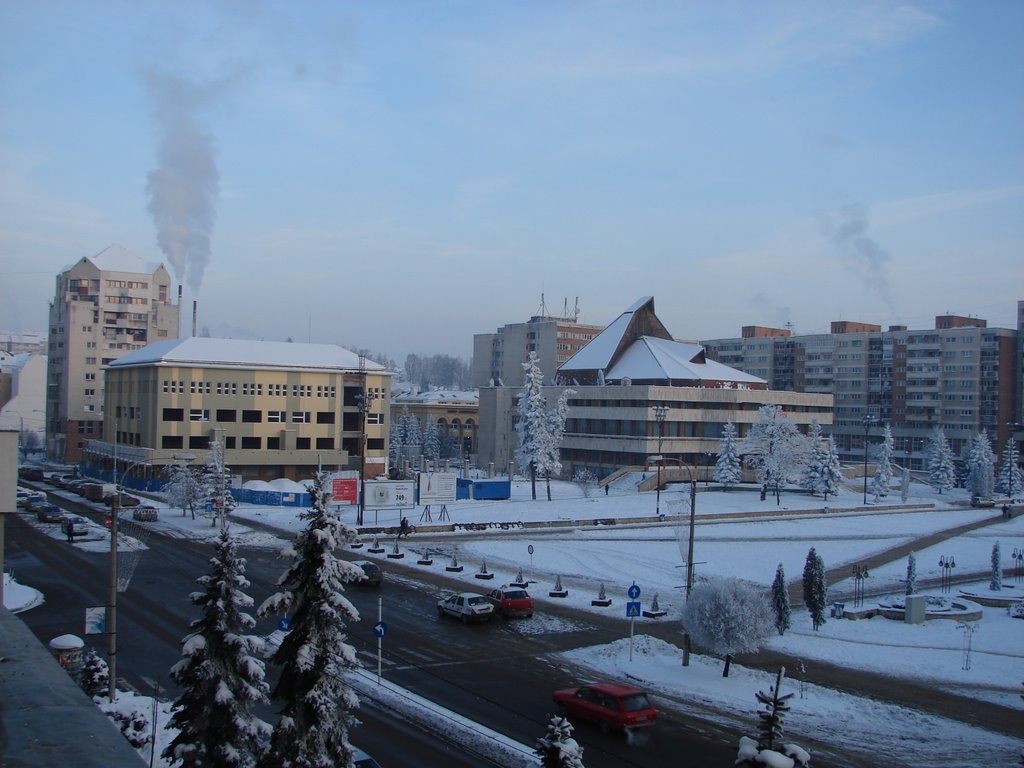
[
  {"x": 362, "y": 760},
  {"x": 467, "y": 606}
]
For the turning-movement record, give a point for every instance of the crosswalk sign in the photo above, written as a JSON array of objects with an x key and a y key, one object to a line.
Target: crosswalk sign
[{"x": 633, "y": 608}]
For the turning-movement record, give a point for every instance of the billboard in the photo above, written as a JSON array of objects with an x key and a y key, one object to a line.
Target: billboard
[
  {"x": 344, "y": 490},
  {"x": 390, "y": 494},
  {"x": 438, "y": 487}
]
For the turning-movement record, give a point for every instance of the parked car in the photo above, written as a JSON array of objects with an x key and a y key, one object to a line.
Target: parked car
[
  {"x": 30, "y": 473},
  {"x": 35, "y": 501},
  {"x": 511, "y": 602},
  {"x": 613, "y": 706},
  {"x": 77, "y": 486},
  {"x": 49, "y": 513},
  {"x": 73, "y": 525},
  {"x": 372, "y": 574},
  {"x": 126, "y": 500},
  {"x": 467, "y": 606},
  {"x": 362, "y": 760},
  {"x": 24, "y": 496}
]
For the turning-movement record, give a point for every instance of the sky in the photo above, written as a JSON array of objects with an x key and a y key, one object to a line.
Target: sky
[
  {"x": 930, "y": 654},
  {"x": 400, "y": 176}
]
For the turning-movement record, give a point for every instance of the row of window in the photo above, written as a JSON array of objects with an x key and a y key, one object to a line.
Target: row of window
[
  {"x": 248, "y": 416},
  {"x": 248, "y": 443},
  {"x": 127, "y": 284},
  {"x": 248, "y": 389},
  {"x": 127, "y": 300}
]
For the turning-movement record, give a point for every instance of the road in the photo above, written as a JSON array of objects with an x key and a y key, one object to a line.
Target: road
[{"x": 492, "y": 674}]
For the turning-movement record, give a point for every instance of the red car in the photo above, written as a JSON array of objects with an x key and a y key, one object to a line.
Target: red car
[
  {"x": 511, "y": 602},
  {"x": 610, "y": 705}
]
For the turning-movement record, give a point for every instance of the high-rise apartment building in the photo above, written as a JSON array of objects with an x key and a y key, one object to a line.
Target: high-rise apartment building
[
  {"x": 104, "y": 306},
  {"x": 498, "y": 357},
  {"x": 960, "y": 375}
]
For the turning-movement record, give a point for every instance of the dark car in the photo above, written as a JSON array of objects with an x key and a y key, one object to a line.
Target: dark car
[
  {"x": 613, "y": 706},
  {"x": 31, "y": 473},
  {"x": 35, "y": 502},
  {"x": 125, "y": 501},
  {"x": 372, "y": 574},
  {"x": 511, "y": 602},
  {"x": 49, "y": 513}
]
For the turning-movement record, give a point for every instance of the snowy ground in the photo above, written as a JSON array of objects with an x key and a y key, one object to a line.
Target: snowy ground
[{"x": 584, "y": 556}]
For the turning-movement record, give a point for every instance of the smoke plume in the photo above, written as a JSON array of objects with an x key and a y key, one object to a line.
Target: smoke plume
[
  {"x": 861, "y": 254},
  {"x": 183, "y": 189}
]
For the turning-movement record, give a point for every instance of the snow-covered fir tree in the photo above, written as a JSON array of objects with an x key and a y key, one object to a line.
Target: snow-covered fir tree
[
  {"x": 981, "y": 463},
  {"x": 557, "y": 748},
  {"x": 815, "y": 587},
  {"x": 941, "y": 466},
  {"x": 822, "y": 471},
  {"x": 220, "y": 674},
  {"x": 314, "y": 657},
  {"x": 216, "y": 481},
  {"x": 911, "y": 574},
  {"x": 728, "y": 616},
  {"x": 184, "y": 488},
  {"x": 831, "y": 477},
  {"x": 996, "y": 582},
  {"x": 412, "y": 437},
  {"x": 431, "y": 441},
  {"x": 394, "y": 442},
  {"x": 1011, "y": 476},
  {"x": 780, "y": 600},
  {"x": 768, "y": 748},
  {"x": 94, "y": 678},
  {"x": 727, "y": 466},
  {"x": 551, "y": 462},
  {"x": 532, "y": 422},
  {"x": 774, "y": 446},
  {"x": 881, "y": 483},
  {"x": 816, "y": 453}
]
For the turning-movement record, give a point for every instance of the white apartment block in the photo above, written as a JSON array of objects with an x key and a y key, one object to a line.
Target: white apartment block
[{"x": 104, "y": 306}]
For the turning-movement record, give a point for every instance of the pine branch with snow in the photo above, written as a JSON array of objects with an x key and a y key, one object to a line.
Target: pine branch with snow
[
  {"x": 220, "y": 675},
  {"x": 557, "y": 748},
  {"x": 313, "y": 658}
]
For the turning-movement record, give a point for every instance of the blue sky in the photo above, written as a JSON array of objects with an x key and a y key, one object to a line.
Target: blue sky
[{"x": 401, "y": 175}]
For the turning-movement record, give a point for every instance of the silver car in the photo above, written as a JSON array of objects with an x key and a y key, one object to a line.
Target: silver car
[{"x": 467, "y": 606}]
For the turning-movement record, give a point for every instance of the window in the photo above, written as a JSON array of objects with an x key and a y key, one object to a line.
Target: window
[
  {"x": 90, "y": 392},
  {"x": 300, "y": 417},
  {"x": 224, "y": 414},
  {"x": 302, "y": 443},
  {"x": 172, "y": 441},
  {"x": 273, "y": 443},
  {"x": 229, "y": 442},
  {"x": 325, "y": 417},
  {"x": 374, "y": 418},
  {"x": 90, "y": 377},
  {"x": 252, "y": 443},
  {"x": 325, "y": 443},
  {"x": 252, "y": 417},
  {"x": 199, "y": 414},
  {"x": 277, "y": 417},
  {"x": 199, "y": 441},
  {"x": 90, "y": 361},
  {"x": 174, "y": 414}
]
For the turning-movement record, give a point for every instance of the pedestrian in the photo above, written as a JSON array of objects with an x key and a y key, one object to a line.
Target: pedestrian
[
  {"x": 824, "y": 510},
  {"x": 1006, "y": 512},
  {"x": 403, "y": 528},
  {"x": 606, "y": 489}
]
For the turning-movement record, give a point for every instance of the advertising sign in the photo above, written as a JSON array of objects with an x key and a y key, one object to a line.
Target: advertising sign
[
  {"x": 344, "y": 490},
  {"x": 390, "y": 494},
  {"x": 438, "y": 487}
]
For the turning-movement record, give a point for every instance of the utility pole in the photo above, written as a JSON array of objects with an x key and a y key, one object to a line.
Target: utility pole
[{"x": 115, "y": 508}]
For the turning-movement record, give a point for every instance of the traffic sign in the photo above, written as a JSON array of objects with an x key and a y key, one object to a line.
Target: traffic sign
[
  {"x": 530, "y": 549},
  {"x": 380, "y": 629},
  {"x": 632, "y": 609},
  {"x": 284, "y": 624},
  {"x": 633, "y": 591}
]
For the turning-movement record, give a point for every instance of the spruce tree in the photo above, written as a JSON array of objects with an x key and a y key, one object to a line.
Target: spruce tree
[
  {"x": 220, "y": 677},
  {"x": 1011, "y": 477},
  {"x": 981, "y": 463},
  {"x": 727, "y": 466},
  {"x": 831, "y": 475},
  {"x": 558, "y": 749},
  {"x": 911, "y": 574},
  {"x": 780, "y": 600},
  {"x": 811, "y": 474},
  {"x": 532, "y": 421},
  {"x": 775, "y": 447},
  {"x": 815, "y": 588},
  {"x": 317, "y": 703},
  {"x": 882, "y": 481},
  {"x": 996, "y": 582},
  {"x": 94, "y": 678},
  {"x": 551, "y": 460},
  {"x": 431, "y": 441},
  {"x": 941, "y": 467}
]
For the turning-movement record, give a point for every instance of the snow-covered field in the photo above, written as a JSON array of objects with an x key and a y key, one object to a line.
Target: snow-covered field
[{"x": 584, "y": 556}]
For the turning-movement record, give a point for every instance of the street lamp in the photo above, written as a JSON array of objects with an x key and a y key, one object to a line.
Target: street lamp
[
  {"x": 860, "y": 572},
  {"x": 946, "y": 564},
  {"x": 660, "y": 411},
  {"x": 363, "y": 400},
  {"x": 868, "y": 422},
  {"x": 1018, "y": 557}
]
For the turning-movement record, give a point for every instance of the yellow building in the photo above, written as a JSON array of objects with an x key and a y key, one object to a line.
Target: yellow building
[
  {"x": 279, "y": 409},
  {"x": 454, "y": 415}
]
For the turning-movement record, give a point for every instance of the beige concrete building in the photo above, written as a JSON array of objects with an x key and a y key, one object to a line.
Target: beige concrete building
[
  {"x": 621, "y": 380},
  {"x": 104, "y": 307},
  {"x": 22, "y": 397},
  {"x": 454, "y": 414},
  {"x": 279, "y": 409}
]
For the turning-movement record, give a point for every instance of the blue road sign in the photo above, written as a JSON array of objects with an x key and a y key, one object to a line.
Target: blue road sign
[
  {"x": 284, "y": 625},
  {"x": 633, "y": 591},
  {"x": 380, "y": 629},
  {"x": 632, "y": 609}
]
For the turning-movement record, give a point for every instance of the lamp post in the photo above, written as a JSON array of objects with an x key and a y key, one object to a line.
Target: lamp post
[
  {"x": 868, "y": 422},
  {"x": 1018, "y": 557},
  {"x": 860, "y": 572},
  {"x": 363, "y": 399},
  {"x": 660, "y": 411},
  {"x": 946, "y": 564}
]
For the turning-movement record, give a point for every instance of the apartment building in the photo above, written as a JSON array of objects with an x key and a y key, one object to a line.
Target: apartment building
[
  {"x": 104, "y": 306},
  {"x": 498, "y": 357},
  {"x": 280, "y": 410},
  {"x": 622, "y": 380},
  {"x": 959, "y": 375}
]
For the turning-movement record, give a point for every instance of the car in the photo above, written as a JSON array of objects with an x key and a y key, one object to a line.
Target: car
[
  {"x": 35, "y": 501},
  {"x": 24, "y": 496},
  {"x": 73, "y": 525},
  {"x": 77, "y": 486},
  {"x": 613, "y": 706},
  {"x": 49, "y": 513},
  {"x": 125, "y": 501},
  {"x": 362, "y": 760},
  {"x": 372, "y": 574},
  {"x": 31, "y": 473},
  {"x": 467, "y": 606},
  {"x": 511, "y": 602}
]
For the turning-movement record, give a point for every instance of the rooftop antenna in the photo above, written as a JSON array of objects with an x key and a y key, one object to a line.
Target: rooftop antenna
[
  {"x": 543, "y": 311},
  {"x": 576, "y": 309}
]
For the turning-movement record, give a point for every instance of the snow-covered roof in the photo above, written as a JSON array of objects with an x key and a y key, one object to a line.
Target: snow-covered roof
[
  {"x": 117, "y": 258},
  {"x": 205, "y": 352},
  {"x": 600, "y": 350},
  {"x": 651, "y": 358},
  {"x": 439, "y": 396}
]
